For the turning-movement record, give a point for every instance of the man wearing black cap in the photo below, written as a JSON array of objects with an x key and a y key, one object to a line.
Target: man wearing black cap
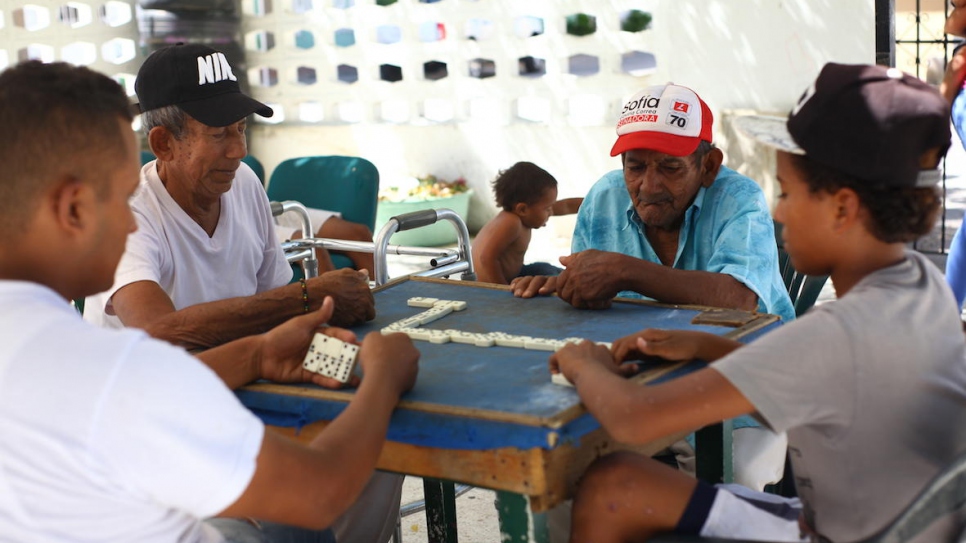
[
  {"x": 204, "y": 266},
  {"x": 871, "y": 388}
]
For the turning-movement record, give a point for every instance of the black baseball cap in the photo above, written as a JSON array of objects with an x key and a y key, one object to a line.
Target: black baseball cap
[
  {"x": 871, "y": 122},
  {"x": 199, "y": 80}
]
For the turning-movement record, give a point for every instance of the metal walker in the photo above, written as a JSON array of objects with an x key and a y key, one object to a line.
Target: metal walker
[{"x": 443, "y": 262}]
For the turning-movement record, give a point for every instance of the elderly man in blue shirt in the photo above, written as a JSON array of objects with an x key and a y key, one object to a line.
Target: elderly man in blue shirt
[{"x": 677, "y": 226}]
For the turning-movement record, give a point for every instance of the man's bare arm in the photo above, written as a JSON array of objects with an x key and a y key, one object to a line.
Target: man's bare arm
[
  {"x": 674, "y": 286},
  {"x": 592, "y": 278},
  {"x": 144, "y": 304},
  {"x": 567, "y": 206},
  {"x": 311, "y": 486},
  {"x": 278, "y": 354},
  {"x": 683, "y": 404}
]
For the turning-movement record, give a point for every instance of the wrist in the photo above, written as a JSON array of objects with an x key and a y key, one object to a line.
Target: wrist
[{"x": 253, "y": 364}]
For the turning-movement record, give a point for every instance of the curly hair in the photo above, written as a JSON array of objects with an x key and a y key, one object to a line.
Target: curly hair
[
  {"x": 524, "y": 182},
  {"x": 896, "y": 214}
]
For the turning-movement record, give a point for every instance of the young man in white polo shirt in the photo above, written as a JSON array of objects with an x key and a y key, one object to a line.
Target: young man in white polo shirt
[{"x": 109, "y": 435}]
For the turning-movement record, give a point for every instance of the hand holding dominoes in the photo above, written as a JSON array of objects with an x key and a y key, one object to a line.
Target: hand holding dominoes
[
  {"x": 281, "y": 350},
  {"x": 331, "y": 357},
  {"x": 390, "y": 356}
]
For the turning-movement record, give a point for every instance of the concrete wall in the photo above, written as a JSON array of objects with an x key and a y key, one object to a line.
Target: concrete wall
[{"x": 738, "y": 54}]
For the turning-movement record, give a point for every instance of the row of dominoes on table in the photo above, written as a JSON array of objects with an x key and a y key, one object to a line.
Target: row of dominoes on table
[
  {"x": 438, "y": 309},
  {"x": 334, "y": 358}
]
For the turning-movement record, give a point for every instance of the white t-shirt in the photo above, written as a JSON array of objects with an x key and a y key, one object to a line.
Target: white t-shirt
[
  {"x": 108, "y": 435},
  {"x": 871, "y": 389},
  {"x": 242, "y": 258}
]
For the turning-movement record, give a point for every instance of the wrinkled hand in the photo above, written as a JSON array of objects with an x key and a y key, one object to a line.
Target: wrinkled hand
[
  {"x": 667, "y": 344},
  {"x": 533, "y": 285},
  {"x": 572, "y": 358},
  {"x": 284, "y": 347},
  {"x": 589, "y": 280},
  {"x": 354, "y": 303},
  {"x": 390, "y": 356}
]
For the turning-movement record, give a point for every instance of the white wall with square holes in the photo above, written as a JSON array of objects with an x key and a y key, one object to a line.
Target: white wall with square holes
[
  {"x": 414, "y": 106},
  {"x": 737, "y": 54}
]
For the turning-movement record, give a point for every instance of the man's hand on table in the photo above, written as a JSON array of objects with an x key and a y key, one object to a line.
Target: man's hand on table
[
  {"x": 350, "y": 289},
  {"x": 590, "y": 279},
  {"x": 284, "y": 347},
  {"x": 533, "y": 285},
  {"x": 392, "y": 357}
]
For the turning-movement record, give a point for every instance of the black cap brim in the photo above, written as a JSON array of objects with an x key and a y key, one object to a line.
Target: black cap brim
[{"x": 224, "y": 109}]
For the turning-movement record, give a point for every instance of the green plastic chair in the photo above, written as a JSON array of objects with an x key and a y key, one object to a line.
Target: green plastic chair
[
  {"x": 256, "y": 167},
  {"x": 349, "y": 185}
]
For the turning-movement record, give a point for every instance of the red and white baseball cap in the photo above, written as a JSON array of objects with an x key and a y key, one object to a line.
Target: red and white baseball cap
[{"x": 669, "y": 119}]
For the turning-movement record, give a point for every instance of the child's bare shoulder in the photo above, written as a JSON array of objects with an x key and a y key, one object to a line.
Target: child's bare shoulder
[{"x": 504, "y": 225}]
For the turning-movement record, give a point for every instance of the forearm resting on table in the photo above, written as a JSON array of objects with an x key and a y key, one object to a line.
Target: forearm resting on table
[
  {"x": 212, "y": 323},
  {"x": 673, "y": 286},
  {"x": 680, "y": 405},
  {"x": 236, "y": 362},
  {"x": 311, "y": 486}
]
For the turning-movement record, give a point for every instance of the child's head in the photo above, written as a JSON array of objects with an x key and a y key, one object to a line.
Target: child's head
[
  {"x": 528, "y": 191},
  {"x": 872, "y": 131},
  {"x": 522, "y": 183}
]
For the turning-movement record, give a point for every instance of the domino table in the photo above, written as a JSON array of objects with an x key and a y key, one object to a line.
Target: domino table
[{"x": 490, "y": 416}]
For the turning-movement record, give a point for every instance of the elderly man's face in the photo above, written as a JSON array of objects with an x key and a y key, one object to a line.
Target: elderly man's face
[
  {"x": 209, "y": 156},
  {"x": 663, "y": 186}
]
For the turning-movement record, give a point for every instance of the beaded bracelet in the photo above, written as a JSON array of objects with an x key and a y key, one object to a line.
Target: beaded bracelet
[{"x": 305, "y": 296}]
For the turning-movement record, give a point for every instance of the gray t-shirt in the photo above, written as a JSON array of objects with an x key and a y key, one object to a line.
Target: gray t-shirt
[{"x": 872, "y": 392}]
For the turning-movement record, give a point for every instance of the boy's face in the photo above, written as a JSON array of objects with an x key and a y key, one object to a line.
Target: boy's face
[
  {"x": 537, "y": 214},
  {"x": 806, "y": 217}
]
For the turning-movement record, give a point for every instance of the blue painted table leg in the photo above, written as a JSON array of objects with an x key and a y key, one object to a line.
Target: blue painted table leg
[
  {"x": 440, "y": 510},
  {"x": 517, "y": 523}
]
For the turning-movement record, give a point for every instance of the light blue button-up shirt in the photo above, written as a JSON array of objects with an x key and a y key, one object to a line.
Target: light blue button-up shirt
[{"x": 727, "y": 229}]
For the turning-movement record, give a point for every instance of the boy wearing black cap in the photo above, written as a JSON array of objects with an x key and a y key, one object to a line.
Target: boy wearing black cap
[{"x": 870, "y": 388}]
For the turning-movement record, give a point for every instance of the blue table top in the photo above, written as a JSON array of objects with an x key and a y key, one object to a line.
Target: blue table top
[{"x": 488, "y": 397}]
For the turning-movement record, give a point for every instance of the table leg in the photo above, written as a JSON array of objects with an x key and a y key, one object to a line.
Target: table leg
[
  {"x": 440, "y": 510},
  {"x": 517, "y": 523},
  {"x": 714, "y": 453}
]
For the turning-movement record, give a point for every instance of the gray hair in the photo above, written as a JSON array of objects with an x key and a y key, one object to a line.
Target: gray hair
[
  {"x": 702, "y": 151},
  {"x": 172, "y": 118}
]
